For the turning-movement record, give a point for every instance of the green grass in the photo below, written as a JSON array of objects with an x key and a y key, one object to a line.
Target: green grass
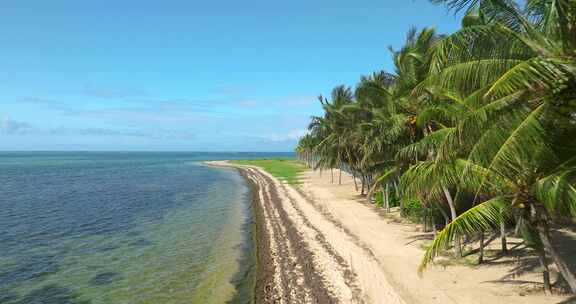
[{"x": 286, "y": 169}]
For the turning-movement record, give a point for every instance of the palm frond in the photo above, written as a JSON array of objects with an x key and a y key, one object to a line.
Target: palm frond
[
  {"x": 536, "y": 74},
  {"x": 510, "y": 147},
  {"x": 425, "y": 146},
  {"x": 468, "y": 76},
  {"x": 557, "y": 192},
  {"x": 482, "y": 217}
]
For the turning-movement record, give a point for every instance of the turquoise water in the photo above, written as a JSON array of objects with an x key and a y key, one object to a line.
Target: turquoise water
[{"x": 123, "y": 228}]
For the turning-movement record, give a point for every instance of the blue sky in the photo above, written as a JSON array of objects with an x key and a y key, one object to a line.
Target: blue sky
[{"x": 186, "y": 75}]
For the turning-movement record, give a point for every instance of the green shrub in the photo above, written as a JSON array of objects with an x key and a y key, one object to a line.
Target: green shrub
[
  {"x": 413, "y": 209},
  {"x": 394, "y": 199},
  {"x": 379, "y": 198}
]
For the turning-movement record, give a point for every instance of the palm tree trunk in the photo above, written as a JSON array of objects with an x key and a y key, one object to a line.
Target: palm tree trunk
[
  {"x": 503, "y": 237},
  {"x": 569, "y": 277},
  {"x": 331, "y": 175},
  {"x": 457, "y": 245},
  {"x": 384, "y": 198},
  {"x": 446, "y": 217},
  {"x": 481, "y": 250},
  {"x": 545, "y": 270},
  {"x": 387, "y": 198},
  {"x": 363, "y": 183},
  {"x": 399, "y": 194},
  {"x": 425, "y": 219},
  {"x": 434, "y": 229},
  {"x": 370, "y": 194},
  {"x": 340, "y": 176},
  {"x": 518, "y": 226},
  {"x": 355, "y": 183},
  {"x": 540, "y": 220}
]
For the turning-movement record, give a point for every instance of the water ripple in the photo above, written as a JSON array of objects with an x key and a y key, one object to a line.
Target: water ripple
[{"x": 110, "y": 229}]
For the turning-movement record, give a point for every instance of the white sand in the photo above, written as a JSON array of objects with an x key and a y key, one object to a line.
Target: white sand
[
  {"x": 363, "y": 257},
  {"x": 399, "y": 256}
]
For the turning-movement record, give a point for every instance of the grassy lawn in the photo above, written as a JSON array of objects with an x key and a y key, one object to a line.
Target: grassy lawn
[{"x": 286, "y": 169}]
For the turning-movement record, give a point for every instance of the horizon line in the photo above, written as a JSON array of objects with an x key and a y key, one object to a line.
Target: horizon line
[{"x": 164, "y": 151}]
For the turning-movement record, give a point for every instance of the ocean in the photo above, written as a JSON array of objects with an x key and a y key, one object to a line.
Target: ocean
[{"x": 124, "y": 227}]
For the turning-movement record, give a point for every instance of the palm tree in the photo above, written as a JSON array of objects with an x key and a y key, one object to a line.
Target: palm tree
[
  {"x": 522, "y": 68},
  {"x": 480, "y": 123}
]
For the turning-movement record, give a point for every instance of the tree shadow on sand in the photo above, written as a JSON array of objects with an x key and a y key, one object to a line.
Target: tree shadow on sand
[
  {"x": 420, "y": 237},
  {"x": 524, "y": 260},
  {"x": 571, "y": 300}
]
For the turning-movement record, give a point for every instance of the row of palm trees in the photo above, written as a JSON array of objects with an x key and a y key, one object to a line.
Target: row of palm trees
[{"x": 479, "y": 124}]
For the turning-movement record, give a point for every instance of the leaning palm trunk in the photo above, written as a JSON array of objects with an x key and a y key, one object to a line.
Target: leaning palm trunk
[
  {"x": 371, "y": 191},
  {"x": 545, "y": 270},
  {"x": 544, "y": 233},
  {"x": 445, "y": 216},
  {"x": 457, "y": 245},
  {"x": 540, "y": 218}
]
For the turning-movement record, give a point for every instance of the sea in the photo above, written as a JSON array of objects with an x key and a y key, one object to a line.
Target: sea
[{"x": 124, "y": 227}]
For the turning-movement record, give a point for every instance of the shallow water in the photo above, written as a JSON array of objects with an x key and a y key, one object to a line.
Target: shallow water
[{"x": 122, "y": 228}]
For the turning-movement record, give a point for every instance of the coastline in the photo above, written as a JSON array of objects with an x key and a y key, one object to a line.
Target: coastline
[
  {"x": 320, "y": 243},
  {"x": 297, "y": 262},
  {"x": 262, "y": 269},
  {"x": 284, "y": 273}
]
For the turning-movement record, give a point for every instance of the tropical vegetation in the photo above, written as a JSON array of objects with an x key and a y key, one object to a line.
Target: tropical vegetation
[
  {"x": 287, "y": 170},
  {"x": 477, "y": 128}
]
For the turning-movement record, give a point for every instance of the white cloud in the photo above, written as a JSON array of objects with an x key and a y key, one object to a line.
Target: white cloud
[
  {"x": 112, "y": 92},
  {"x": 291, "y": 135},
  {"x": 12, "y": 127}
]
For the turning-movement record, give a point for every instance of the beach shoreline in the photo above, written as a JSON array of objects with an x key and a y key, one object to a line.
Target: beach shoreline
[
  {"x": 280, "y": 267},
  {"x": 296, "y": 261},
  {"x": 263, "y": 271},
  {"x": 319, "y": 243}
]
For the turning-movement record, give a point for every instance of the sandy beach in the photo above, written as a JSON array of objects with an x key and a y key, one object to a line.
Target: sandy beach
[{"x": 319, "y": 242}]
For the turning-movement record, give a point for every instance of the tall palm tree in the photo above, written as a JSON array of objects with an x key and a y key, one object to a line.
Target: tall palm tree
[
  {"x": 522, "y": 69},
  {"x": 481, "y": 122}
]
